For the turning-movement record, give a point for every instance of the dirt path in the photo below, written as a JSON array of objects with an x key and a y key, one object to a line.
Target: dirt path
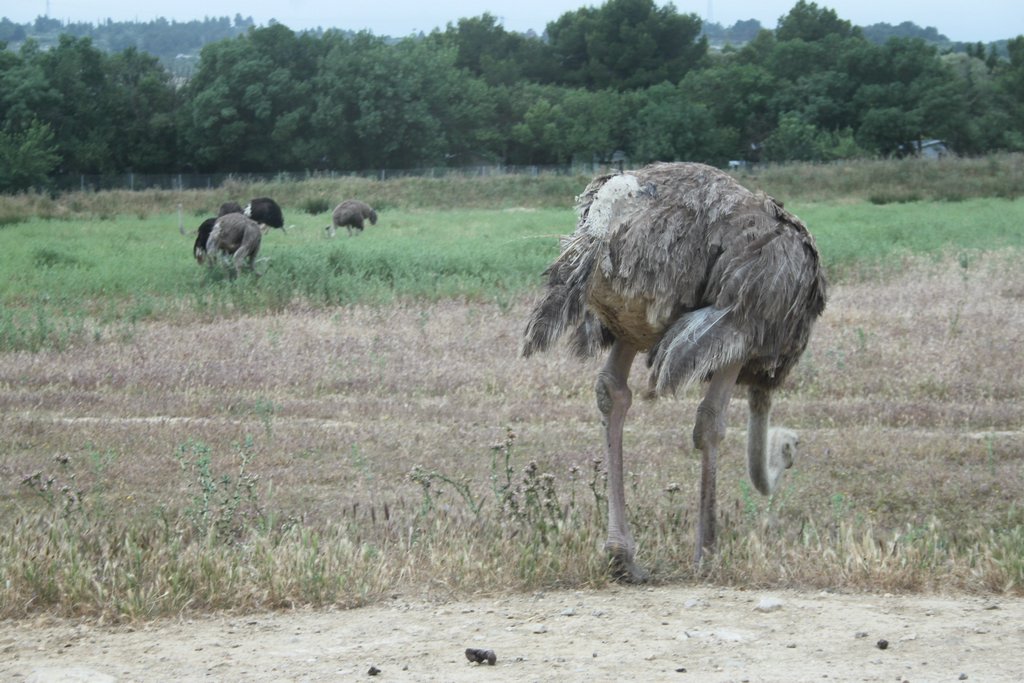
[{"x": 664, "y": 633}]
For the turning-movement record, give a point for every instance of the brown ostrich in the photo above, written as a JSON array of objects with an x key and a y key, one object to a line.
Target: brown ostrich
[
  {"x": 351, "y": 213},
  {"x": 714, "y": 282},
  {"x": 205, "y": 228},
  {"x": 237, "y": 235}
]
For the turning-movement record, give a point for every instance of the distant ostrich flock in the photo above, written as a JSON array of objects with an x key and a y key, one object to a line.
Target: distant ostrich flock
[{"x": 236, "y": 232}]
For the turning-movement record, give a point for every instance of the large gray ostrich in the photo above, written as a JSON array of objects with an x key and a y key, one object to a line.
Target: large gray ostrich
[
  {"x": 715, "y": 283},
  {"x": 205, "y": 228},
  {"x": 351, "y": 213},
  {"x": 237, "y": 235}
]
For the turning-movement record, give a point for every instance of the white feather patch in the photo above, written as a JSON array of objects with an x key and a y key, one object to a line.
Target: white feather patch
[{"x": 608, "y": 202}]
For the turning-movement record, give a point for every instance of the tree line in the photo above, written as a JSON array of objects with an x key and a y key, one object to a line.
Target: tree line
[{"x": 627, "y": 78}]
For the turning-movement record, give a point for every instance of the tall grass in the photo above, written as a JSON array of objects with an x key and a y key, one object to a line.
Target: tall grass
[
  {"x": 315, "y": 195},
  {"x": 893, "y": 181},
  {"x": 520, "y": 528},
  {"x": 875, "y": 181}
]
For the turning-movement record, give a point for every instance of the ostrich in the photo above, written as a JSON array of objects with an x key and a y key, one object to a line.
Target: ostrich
[
  {"x": 351, "y": 213},
  {"x": 237, "y": 235},
  {"x": 205, "y": 228},
  {"x": 266, "y": 212},
  {"x": 715, "y": 283}
]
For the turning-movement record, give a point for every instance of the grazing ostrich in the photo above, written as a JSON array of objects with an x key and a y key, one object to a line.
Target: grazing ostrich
[
  {"x": 351, "y": 213},
  {"x": 237, "y": 235},
  {"x": 715, "y": 283},
  {"x": 266, "y": 212},
  {"x": 205, "y": 228}
]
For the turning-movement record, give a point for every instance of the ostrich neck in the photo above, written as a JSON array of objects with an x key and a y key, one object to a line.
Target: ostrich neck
[{"x": 760, "y": 403}]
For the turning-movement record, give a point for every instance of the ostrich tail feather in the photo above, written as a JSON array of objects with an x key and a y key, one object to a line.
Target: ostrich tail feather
[
  {"x": 564, "y": 304},
  {"x": 694, "y": 347},
  {"x": 547, "y": 321}
]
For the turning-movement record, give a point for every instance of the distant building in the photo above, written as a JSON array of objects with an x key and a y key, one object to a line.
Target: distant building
[{"x": 931, "y": 149}]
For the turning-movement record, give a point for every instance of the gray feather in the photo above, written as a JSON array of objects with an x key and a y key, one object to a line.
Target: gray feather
[{"x": 683, "y": 262}]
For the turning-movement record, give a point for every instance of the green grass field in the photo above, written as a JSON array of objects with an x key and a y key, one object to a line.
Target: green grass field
[{"x": 74, "y": 278}]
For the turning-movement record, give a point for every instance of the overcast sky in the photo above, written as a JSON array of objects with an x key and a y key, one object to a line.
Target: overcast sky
[{"x": 984, "y": 20}]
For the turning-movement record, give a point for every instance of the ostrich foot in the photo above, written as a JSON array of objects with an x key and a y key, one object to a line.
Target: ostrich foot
[{"x": 622, "y": 567}]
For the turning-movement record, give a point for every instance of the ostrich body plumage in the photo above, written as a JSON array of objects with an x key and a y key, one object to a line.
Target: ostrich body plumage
[
  {"x": 238, "y": 236},
  {"x": 351, "y": 213}
]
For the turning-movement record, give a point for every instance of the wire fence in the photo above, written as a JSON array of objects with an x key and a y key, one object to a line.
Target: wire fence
[{"x": 198, "y": 181}]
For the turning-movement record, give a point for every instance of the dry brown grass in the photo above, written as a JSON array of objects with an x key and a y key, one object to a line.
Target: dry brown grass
[{"x": 908, "y": 402}]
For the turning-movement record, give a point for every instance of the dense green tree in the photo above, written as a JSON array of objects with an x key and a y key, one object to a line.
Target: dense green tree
[
  {"x": 10, "y": 32},
  {"x": 904, "y": 95},
  {"x": 596, "y": 124},
  {"x": 625, "y": 44},
  {"x": 548, "y": 124},
  {"x": 795, "y": 139},
  {"x": 144, "y": 113},
  {"x": 398, "y": 106},
  {"x": 485, "y": 49},
  {"x": 27, "y": 157},
  {"x": 1011, "y": 83},
  {"x": 81, "y": 117},
  {"x": 25, "y": 92},
  {"x": 539, "y": 134},
  {"x": 106, "y": 113},
  {"x": 670, "y": 126},
  {"x": 740, "y": 96},
  {"x": 250, "y": 103},
  {"x": 626, "y": 76},
  {"x": 810, "y": 23}
]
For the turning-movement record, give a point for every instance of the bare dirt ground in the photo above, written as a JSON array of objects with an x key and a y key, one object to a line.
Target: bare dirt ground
[{"x": 683, "y": 633}]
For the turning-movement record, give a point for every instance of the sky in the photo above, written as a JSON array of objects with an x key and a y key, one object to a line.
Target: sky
[{"x": 980, "y": 20}]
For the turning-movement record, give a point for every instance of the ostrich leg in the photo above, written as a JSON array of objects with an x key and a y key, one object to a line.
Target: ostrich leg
[
  {"x": 613, "y": 400},
  {"x": 708, "y": 433}
]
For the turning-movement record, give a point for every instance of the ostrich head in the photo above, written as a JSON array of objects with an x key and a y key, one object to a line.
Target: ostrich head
[{"x": 782, "y": 445}]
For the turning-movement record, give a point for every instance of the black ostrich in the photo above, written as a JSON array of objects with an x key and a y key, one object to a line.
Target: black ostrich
[{"x": 266, "y": 212}]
